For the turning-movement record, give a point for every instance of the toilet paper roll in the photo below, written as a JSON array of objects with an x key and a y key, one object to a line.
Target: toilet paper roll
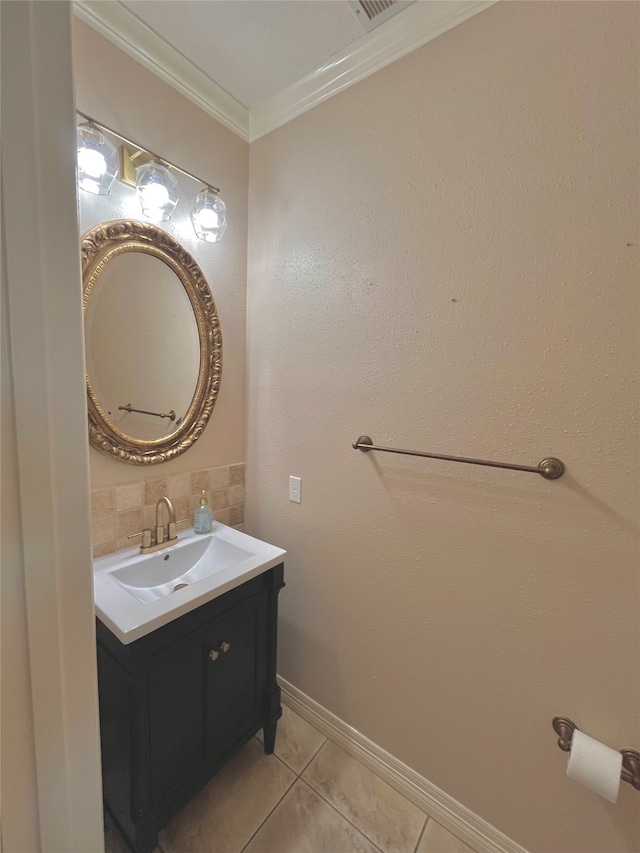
[{"x": 595, "y": 765}]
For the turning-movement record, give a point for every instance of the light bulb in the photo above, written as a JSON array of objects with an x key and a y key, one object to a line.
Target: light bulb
[
  {"x": 97, "y": 167},
  {"x": 91, "y": 162},
  {"x": 155, "y": 195},
  {"x": 209, "y": 216},
  {"x": 156, "y": 188}
]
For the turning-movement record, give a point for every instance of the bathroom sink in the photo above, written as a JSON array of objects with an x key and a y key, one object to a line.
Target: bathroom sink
[
  {"x": 167, "y": 571},
  {"x": 137, "y": 593}
]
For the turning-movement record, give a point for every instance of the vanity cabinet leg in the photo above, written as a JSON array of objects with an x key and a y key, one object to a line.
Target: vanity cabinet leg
[
  {"x": 271, "y": 708},
  {"x": 146, "y": 837},
  {"x": 271, "y": 714}
]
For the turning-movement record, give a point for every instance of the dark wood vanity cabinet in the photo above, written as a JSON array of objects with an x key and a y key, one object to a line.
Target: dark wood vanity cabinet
[{"x": 177, "y": 704}]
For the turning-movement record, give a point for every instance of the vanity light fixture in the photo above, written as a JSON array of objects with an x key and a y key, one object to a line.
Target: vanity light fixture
[
  {"x": 97, "y": 160},
  {"x": 209, "y": 216},
  {"x": 157, "y": 191},
  {"x": 151, "y": 175}
]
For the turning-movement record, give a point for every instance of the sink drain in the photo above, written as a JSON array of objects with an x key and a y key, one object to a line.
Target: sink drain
[{"x": 180, "y": 586}]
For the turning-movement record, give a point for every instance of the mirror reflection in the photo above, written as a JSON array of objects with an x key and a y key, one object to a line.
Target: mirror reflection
[{"x": 142, "y": 346}]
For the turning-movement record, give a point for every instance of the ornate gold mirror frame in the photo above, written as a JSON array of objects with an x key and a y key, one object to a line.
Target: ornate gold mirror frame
[{"x": 101, "y": 245}]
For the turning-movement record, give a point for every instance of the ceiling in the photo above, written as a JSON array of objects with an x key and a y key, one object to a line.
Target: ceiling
[
  {"x": 252, "y": 48},
  {"x": 255, "y": 64}
]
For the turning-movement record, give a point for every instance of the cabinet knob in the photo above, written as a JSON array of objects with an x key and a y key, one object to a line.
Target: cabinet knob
[
  {"x": 214, "y": 654},
  {"x": 224, "y": 646}
]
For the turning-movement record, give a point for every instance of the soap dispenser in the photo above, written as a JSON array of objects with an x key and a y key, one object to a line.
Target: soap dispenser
[{"x": 202, "y": 517}]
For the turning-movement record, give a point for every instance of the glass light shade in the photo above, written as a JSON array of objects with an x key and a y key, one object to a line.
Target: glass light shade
[
  {"x": 97, "y": 160},
  {"x": 157, "y": 190},
  {"x": 209, "y": 216}
]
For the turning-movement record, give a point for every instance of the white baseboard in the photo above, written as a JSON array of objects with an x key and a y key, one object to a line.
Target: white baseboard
[{"x": 455, "y": 817}]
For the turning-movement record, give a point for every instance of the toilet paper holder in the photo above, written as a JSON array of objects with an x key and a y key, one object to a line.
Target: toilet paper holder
[{"x": 564, "y": 727}]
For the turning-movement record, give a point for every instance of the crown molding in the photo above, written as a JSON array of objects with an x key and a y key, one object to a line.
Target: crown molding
[
  {"x": 416, "y": 25},
  {"x": 127, "y": 32},
  {"x": 413, "y": 27}
]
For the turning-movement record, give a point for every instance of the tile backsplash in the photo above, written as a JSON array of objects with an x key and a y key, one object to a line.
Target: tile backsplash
[{"x": 118, "y": 511}]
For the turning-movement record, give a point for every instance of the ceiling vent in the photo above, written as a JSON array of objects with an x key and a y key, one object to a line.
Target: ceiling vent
[{"x": 372, "y": 13}]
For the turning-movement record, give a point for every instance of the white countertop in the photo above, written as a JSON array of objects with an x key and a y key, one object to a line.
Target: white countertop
[{"x": 129, "y": 618}]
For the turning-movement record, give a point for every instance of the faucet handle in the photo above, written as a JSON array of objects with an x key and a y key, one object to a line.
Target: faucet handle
[
  {"x": 172, "y": 532},
  {"x": 146, "y": 537},
  {"x": 173, "y": 528}
]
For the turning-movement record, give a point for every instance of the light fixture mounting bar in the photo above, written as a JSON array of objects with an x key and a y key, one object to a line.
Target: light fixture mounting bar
[
  {"x": 147, "y": 151},
  {"x": 130, "y": 158}
]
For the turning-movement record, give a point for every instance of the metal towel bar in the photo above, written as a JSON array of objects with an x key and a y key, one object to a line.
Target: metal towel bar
[
  {"x": 550, "y": 468},
  {"x": 171, "y": 415}
]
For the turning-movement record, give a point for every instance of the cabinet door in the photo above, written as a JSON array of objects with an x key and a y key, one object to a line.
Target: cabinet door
[
  {"x": 177, "y": 728},
  {"x": 236, "y": 677}
]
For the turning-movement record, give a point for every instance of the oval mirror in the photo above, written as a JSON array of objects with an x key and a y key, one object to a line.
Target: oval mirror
[{"x": 152, "y": 340}]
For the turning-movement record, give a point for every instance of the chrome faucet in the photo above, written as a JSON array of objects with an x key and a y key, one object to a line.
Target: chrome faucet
[{"x": 156, "y": 540}]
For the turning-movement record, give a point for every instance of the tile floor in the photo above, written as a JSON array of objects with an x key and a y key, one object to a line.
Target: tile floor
[{"x": 309, "y": 797}]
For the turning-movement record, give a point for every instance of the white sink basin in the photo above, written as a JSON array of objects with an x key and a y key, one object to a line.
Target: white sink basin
[
  {"x": 185, "y": 563},
  {"x": 137, "y": 593}
]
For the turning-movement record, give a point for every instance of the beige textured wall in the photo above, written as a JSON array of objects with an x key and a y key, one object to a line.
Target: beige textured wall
[
  {"x": 113, "y": 88},
  {"x": 442, "y": 256}
]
